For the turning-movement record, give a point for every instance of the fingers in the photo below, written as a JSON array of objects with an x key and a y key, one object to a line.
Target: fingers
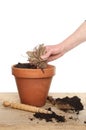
[
  {"x": 46, "y": 56},
  {"x": 54, "y": 57},
  {"x": 52, "y": 53},
  {"x": 49, "y": 57}
]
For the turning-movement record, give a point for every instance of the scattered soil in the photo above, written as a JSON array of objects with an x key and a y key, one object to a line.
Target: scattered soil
[
  {"x": 26, "y": 65},
  {"x": 67, "y": 103},
  {"x": 50, "y": 117},
  {"x": 84, "y": 122}
]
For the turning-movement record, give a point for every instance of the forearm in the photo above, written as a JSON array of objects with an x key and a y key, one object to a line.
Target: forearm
[{"x": 76, "y": 38}]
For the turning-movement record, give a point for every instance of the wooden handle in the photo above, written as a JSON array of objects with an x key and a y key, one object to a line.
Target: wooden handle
[{"x": 25, "y": 107}]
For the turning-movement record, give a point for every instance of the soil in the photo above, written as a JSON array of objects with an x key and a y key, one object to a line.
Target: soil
[
  {"x": 50, "y": 117},
  {"x": 25, "y": 65},
  {"x": 67, "y": 103}
]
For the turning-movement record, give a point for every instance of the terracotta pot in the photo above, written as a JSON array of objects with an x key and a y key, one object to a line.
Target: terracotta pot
[{"x": 33, "y": 85}]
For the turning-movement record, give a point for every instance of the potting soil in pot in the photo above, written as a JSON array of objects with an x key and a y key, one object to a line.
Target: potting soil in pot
[{"x": 25, "y": 65}]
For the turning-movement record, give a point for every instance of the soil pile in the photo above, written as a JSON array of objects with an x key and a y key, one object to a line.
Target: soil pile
[
  {"x": 67, "y": 103},
  {"x": 50, "y": 117}
]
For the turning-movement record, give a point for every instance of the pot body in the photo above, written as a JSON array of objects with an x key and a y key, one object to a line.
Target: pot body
[{"x": 33, "y": 84}]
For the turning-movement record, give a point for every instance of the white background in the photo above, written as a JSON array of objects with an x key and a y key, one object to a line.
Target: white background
[{"x": 26, "y": 23}]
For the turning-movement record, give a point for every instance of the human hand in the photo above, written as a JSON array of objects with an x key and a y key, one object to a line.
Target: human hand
[{"x": 53, "y": 52}]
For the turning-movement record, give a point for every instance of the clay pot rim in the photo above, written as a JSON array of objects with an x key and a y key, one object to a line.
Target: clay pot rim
[{"x": 34, "y": 73}]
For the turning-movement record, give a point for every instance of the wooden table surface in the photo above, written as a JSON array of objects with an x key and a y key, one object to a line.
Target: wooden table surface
[{"x": 12, "y": 119}]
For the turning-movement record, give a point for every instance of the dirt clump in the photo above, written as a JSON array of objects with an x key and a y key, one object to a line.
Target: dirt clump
[
  {"x": 49, "y": 117},
  {"x": 67, "y": 103}
]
